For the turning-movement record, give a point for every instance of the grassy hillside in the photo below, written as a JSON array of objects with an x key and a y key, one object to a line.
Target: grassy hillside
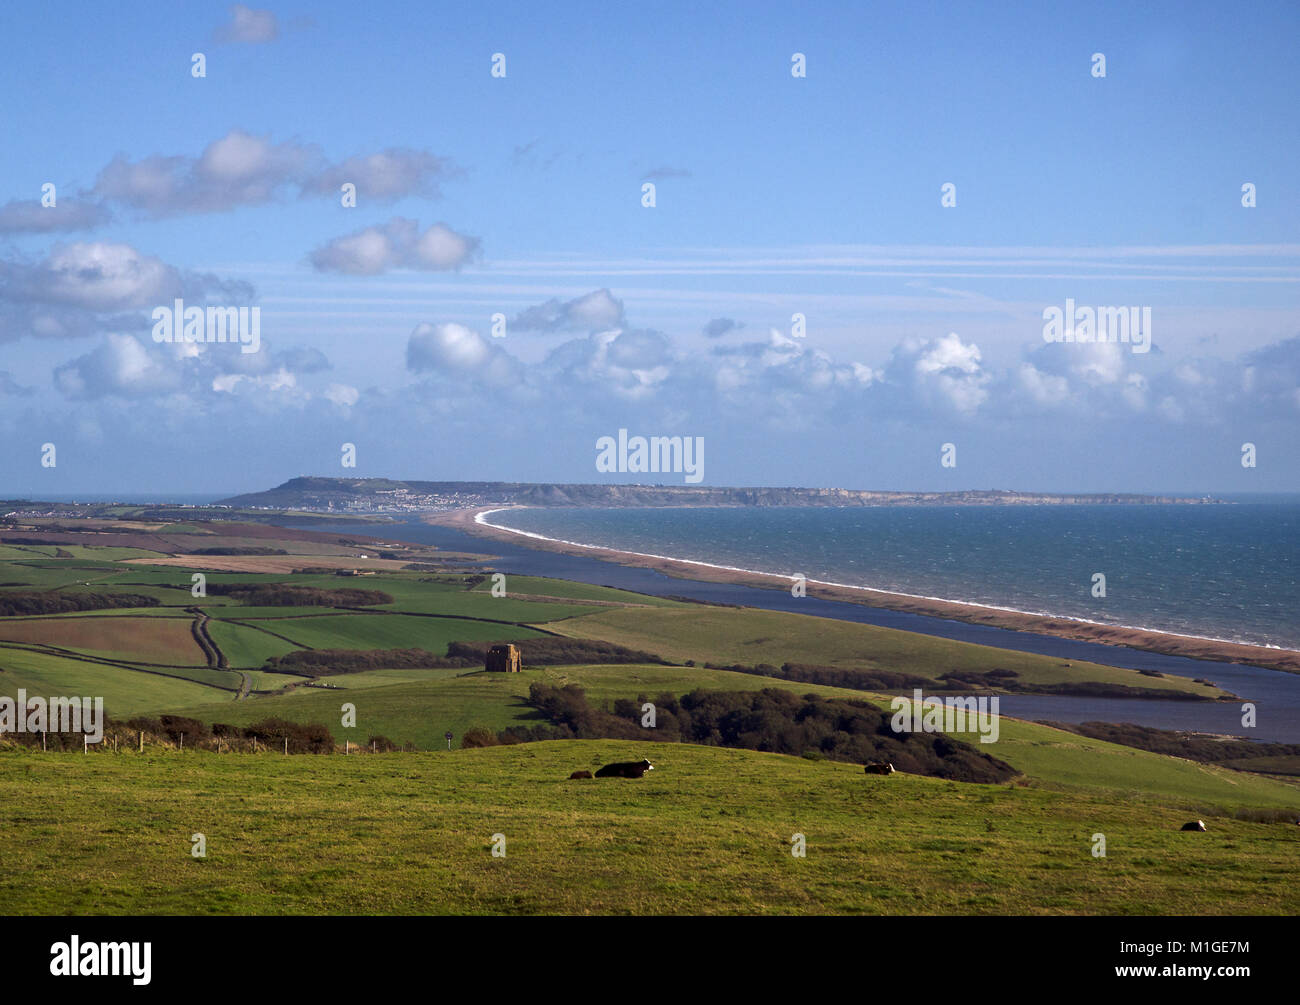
[
  {"x": 125, "y": 692},
  {"x": 1064, "y": 760},
  {"x": 419, "y": 706},
  {"x": 749, "y": 636},
  {"x": 246, "y": 646},
  {"x": 391, "y": 631},
  {"x": 534, "y": 586},
  {"x": 708, "y": 831}
]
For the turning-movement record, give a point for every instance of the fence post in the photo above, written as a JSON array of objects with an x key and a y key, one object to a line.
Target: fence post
[
  {"x": 286, "y": 746},
  {"x": 85, "y": 744},
  {"x": 142, "y": 741}
]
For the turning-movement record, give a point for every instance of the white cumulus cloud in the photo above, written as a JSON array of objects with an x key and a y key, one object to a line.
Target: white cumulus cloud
[{"x": 397, "y": 244}]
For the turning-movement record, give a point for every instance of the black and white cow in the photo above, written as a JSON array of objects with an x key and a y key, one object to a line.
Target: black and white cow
[{"x": 625, "y": 769}]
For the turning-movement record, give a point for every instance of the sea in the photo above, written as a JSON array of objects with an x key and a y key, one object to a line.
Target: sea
[{"x": 1228, "y": 572}]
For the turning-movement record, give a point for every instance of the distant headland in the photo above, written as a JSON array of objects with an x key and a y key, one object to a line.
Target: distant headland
[{"x": 384, "y": 495}]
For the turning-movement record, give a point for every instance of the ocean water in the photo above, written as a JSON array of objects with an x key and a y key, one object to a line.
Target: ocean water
[{"x": 1221, "y": 571}]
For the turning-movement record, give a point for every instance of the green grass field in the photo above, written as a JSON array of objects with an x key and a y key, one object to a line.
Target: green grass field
[
  {"x": 419, "y": 706},
  {"x": 391, "y": 631},
  {"x": 415, "y": 711},
  {"x": 709, "y": 831},
  {"x": 260, "y": 680},
  {"x": 125, "y": 692},
  {"x": 748, "y": 636},
  {"x": 533, "y": 586},
  {"x": 245, "y": 646}
]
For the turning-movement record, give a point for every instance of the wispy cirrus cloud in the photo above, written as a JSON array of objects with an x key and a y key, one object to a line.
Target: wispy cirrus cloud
[{"x": 1226, "y": 263}]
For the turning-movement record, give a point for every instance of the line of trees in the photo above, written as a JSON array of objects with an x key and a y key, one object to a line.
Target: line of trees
[
  {"x": 558, "y": 651},
  {"x": 194, "y": 734},
  {"x": 871, "y": 679},
  {"x": 324, "y": 662},
  {"x": 235, "y": 550},
  {"x": 16, "y": 603},
  {"x": 1195, "y": 747},
  {"x": 288, "y": 595},
  {"x": 848, "y": 677},
  {"x": 548, "y": 651}
]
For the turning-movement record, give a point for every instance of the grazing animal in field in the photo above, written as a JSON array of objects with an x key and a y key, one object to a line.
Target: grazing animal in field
[
  {"x": 625, "y": 769},
  {"x": 878, "y": 768},
  {"x": 1193, "y": 825},
  {"x": 580, "y": 774}
]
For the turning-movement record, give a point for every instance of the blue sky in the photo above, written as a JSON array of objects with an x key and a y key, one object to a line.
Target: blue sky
[{"x": 775, "y": 195}]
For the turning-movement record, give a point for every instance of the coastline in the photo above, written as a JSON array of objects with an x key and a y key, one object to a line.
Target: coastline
[{"x": 470, "y": 521}]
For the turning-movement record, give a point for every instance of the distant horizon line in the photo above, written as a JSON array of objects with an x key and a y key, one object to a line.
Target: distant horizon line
[{"x": 189, "y": 497}]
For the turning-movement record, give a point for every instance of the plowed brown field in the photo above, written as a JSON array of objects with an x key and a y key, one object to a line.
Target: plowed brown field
[{"x": 149, "y": 640}]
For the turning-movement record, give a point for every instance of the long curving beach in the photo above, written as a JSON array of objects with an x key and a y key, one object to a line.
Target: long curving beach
[{"x": 476, "y": 521}]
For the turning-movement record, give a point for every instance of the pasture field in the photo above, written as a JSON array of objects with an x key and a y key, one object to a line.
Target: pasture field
[
  {"x": 51, "y": 574},
  {"x": 749, "y": 636},
  {"x": 274, "y": 564},
  {"x": 125, "y": 692},
  {"x": 418, "y": 706},
  {"x": 245, "y": 646},
  {"x": 464, "y": 603},
  {"x": 533, "y": 586},
  {"x": 108, "y": 553},
  {"x": 391, "y": 631},
  {"x": 411, "y": 711},
  {"x": 709, "y": 831},
  {"x": 11, "y": 551},
  {"x": 405, "y": 705},
  {"x": 261, "y": 680}
]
